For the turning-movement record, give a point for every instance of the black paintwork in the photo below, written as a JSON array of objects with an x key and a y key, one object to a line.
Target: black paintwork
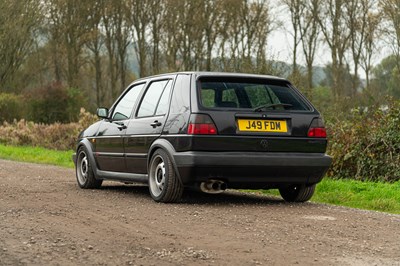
[{"x": 121, "y": 149}]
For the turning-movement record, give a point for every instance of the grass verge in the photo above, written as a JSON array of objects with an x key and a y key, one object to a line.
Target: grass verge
[
  {"x": 374, "y": 196},
  {"x": 36, "y": 155},
  {"x": 383, "y": 197}
]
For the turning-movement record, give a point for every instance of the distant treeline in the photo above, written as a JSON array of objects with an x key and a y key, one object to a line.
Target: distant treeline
[{"x": 90, "y": 45}]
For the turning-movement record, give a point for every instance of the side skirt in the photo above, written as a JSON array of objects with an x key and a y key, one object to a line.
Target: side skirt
[{"x": 124, "y": 177}]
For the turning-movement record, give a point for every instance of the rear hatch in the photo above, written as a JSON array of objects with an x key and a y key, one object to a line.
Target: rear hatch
[{"x": 253, "y": 113}]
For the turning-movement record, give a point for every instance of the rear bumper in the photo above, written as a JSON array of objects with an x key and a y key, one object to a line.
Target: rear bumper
[{"x": 252, "y": 169}]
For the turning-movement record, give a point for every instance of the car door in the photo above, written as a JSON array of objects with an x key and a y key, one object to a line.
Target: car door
[
  {"x": 148, "y": 124},
  {"x": 109, "y": 153}
]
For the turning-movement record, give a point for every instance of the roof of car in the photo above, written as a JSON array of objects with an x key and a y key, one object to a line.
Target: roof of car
[{"x": 225, "y": 74}]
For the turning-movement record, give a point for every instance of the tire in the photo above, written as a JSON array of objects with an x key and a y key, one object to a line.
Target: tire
[
  {"x": 84, "y": 171},
  {"x": 164, "y": 184},
  {"x": 297, "y": 193}
]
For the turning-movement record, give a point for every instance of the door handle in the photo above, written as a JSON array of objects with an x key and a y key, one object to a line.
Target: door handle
[
  {"x": 120, "y": 125},
  {"x": 155, "y": 124}
]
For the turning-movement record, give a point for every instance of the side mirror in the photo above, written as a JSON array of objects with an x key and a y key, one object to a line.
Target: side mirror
[{"x": 102, "y": 112}]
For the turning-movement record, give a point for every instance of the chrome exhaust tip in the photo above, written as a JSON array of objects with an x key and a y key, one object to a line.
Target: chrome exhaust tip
[{"x": 213, "y": 186}]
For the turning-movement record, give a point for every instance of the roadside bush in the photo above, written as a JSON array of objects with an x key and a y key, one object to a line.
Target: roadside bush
[
  {"x": 11, "y": 107},
  {"x": 54, "y": 103},
  {"x": 76, "y": 99},
  {"x": 367, "y": 145},
  {"x": 48, "y": 104},
  {"x": 53, "y": 136}
]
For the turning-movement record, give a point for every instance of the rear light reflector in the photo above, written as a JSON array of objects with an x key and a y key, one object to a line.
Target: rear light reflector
[
  {"x": 317, "y": 129},
  {"x": 201, "y": 124}
]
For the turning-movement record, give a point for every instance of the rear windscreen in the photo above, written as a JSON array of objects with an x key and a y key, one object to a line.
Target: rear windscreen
[{"x": 249, "y": 94}]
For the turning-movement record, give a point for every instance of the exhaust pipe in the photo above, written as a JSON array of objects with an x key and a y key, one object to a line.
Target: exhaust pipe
[{"x": 213, "y": 186}]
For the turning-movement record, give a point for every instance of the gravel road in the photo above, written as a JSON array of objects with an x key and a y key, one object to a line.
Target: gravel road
[{"x": 45, "y": 219}]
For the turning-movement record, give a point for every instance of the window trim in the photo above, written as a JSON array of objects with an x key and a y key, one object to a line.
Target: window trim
[
  {"x": 169, "y": 78},
  {"x": 112, "y": 109}
]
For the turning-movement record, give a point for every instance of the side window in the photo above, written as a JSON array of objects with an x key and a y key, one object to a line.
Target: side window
[
  {"x": 123, "y": 109},
  {"x": 162, "y": 107},
  {"x": 151, "y": 98},
  {"x": 179, "y": 111}
]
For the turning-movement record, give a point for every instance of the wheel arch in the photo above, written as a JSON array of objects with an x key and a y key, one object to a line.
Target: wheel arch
[
  {"x": 168, "y": 148},
  {"x": 89, "y": 147}
]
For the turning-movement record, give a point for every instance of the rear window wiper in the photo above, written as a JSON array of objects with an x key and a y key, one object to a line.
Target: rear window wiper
[{"x": 266, "y": 106}]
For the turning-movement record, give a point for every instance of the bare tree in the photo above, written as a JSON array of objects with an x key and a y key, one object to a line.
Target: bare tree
[
  {"x": 231, "y": 37},
  {"x": 190, "y": 35},
  {"x": 95, "y": 43},
  {"x": 212, "y": 28},
  {"x": 357, "y": 20},
  {"x": 245, "y": 26},
  {"x": 226, "y": 12},
  {"x": 117, "y": 34},
  {"x": 157, "y": 13},
  {"x": 183, "y": 34},
  {"x": 68, "y": 20},
  {"x": 370, "y": 44},
  {"x": 304, "y": 20},
  {"x": 332, "y": 21},
  {"x": 296, "y": 8},
  {"x": 257, "y": 26},
  {"x": 19, "y": 22},
  {"x": 109, "y": 27},
  {"x": 391, "y": 11},
  {"x": 140, "y": 20},
  {"x": 266, "y": 24},
  {"x": 123, "y": 39},
  {"x": 309, "y": 35},
  {"x": 169, "y": 33}
]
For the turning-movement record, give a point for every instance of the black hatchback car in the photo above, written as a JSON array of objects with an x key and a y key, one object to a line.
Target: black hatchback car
[{"x": 207, "y": 130}]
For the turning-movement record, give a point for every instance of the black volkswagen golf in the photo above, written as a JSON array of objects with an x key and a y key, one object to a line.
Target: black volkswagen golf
[{"x": 207, "y": 130}]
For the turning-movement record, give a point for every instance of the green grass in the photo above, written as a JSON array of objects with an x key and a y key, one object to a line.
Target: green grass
[
  {"x": 383, "y": 197},
  {"x": 36, "y": 155},
  {"x": 375, "y": 196}
]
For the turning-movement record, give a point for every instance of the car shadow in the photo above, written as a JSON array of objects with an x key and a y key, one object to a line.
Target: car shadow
[
  {"x": 191, "y": 197},
  {"x": 229, "y": 197}
]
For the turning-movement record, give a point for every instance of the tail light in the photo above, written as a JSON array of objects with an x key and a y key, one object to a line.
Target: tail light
[
  {"x": 317, "y": 129},
  {"x": 201, "y": 124}
]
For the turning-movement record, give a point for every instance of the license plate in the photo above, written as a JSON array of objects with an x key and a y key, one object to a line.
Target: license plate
[{"x": 279, "y": 126}]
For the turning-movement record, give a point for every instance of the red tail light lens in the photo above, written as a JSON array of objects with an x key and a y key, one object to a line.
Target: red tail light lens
[
  {"x": 318, "y": 132},
  {"x": 201, "y": 124},
  {"x": 202, "y": 129},
  {"x": 317, "y": 129}
]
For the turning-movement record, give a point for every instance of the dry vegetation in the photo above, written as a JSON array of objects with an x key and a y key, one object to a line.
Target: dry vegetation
[{"x": 53, "y": 136}]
